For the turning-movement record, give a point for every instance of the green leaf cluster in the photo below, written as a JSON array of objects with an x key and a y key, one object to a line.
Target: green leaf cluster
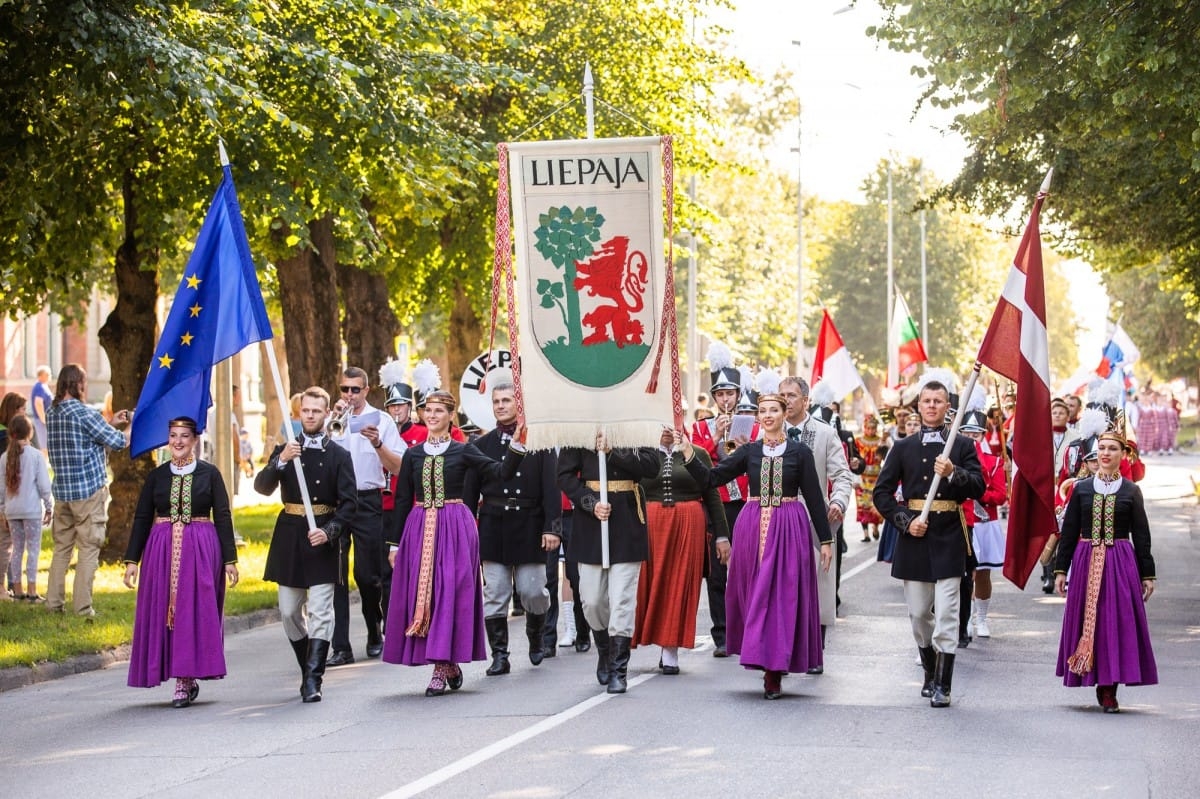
[{"x": 1103, "y": 92}]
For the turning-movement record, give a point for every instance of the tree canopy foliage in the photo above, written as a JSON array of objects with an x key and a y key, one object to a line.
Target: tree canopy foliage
[{"x": 1103, "y": 92}]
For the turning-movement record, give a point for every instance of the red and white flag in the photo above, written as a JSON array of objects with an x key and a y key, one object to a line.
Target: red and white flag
[
  {"x": 832, "y": 363},
  {"x": 1016, "y": 347}
]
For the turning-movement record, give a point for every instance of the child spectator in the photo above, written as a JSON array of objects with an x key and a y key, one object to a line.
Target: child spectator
[{"x": 25, "y": 505}]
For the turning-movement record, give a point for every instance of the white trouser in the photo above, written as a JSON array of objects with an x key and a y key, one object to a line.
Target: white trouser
[
  {"x": 498, "y": 588},
  {"x": 610, "y": 596},
  {"x": 315, "y": 620},
  {"x": 933, "y": 612}
]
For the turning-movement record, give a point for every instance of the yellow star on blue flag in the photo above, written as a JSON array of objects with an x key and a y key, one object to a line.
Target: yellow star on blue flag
[{"x": 221, "y": 278}]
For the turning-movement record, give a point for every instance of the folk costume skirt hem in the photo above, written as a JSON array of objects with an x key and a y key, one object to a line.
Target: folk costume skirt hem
[
  {"x": 1123, "y": 653},
  {"x": 669, "y": 586},
  {"x": 771, "y": 604},
  {"x": 456, "y": 632},
  {"x": 195, "y": 645}
]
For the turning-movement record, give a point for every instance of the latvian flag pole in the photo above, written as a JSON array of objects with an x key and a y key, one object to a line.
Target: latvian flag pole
[{"x": 1015, "y": 347}]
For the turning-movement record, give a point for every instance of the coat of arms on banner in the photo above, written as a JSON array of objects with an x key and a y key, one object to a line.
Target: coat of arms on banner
[
  {"x": 592, "y": 306},
  {"x": 591, "y": 287}
]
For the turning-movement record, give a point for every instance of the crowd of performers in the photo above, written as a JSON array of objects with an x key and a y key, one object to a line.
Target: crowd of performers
[{"x": 447, "y": 534}]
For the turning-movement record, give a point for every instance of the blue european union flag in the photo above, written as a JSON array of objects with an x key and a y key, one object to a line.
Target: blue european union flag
[{"x": 217, "y": 311}]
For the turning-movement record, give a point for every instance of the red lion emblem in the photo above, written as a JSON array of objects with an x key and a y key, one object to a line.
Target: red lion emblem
[{"x": 614, "y": 273}]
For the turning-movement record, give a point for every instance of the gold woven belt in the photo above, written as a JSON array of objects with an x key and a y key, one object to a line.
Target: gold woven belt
[
  {"x": 168, "y": 520},
  {"x": 615, "y": 485},
  {"x": 936, "y": 506},
  {"x": 750, "y": 500},
  {"x": 297, "y": 509},
  {"x": 620, "y": 486}
]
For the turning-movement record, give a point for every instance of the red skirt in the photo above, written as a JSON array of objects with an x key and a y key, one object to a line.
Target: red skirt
[{"x": 669, "y": 587}]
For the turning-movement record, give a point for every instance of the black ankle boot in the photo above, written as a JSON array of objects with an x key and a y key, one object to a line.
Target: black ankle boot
[
  {"x": 497, "y": 633},
  {"x": 318, "y": 652},
  {"x": 534, "y": 626},
  {"x": 943, "y": 676},
  {"x": 301, "y": 649},
  {"x": 602, "y": 659},
  {"x": 374, "y": 640},
  {"x": 929, "y": 664},
  {"x": 619, "y": 668}
]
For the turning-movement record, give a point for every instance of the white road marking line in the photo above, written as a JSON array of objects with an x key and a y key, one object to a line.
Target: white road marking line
[
  {"x": 452, "y": 770},
  {"x": 866, "y": 564}
]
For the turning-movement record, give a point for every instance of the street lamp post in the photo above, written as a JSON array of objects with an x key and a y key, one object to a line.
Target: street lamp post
[{"x": 893, "y": 361}]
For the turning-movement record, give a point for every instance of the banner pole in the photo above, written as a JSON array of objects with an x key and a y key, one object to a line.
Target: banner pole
[
  {"x": 287, "y": 432},
  {"x": 589, "y": 86},
  {"x": 958, "y": 417}
]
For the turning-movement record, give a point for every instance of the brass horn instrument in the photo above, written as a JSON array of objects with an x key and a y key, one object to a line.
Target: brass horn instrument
[{"x": 339, "y": 423}]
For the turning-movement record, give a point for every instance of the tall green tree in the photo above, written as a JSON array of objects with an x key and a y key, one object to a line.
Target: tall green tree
[
  {"x": 1104, "y": 92},
  {"x": 1161, "y": 316}
]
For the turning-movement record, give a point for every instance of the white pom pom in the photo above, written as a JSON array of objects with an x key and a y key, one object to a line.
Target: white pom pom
[
  {"x": 944, "y": 376},
  {"x": 719, "y": 357},
  {"x": 1106, "y": 392},
  {"x": 391, "y": 373},
  {"x": 747, "y": 381},
  {"x": 427, "y": 376},
  {"x": 1092, "y": 422},
  {"x": 978, "y": 399},
  {"x": 768, "y": 381},
  {"x": 822, "y": 394}
]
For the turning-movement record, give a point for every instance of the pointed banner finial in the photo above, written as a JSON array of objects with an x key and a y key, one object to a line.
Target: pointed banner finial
[
  {"x": 1046, "y": 183},
  {"x": 221, "y": 150}
]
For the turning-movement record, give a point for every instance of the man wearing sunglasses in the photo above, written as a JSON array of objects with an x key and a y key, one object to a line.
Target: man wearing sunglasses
[{"x": 375, "y": 446}]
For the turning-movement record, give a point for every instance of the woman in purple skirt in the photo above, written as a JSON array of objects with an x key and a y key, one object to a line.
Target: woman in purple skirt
[
  {"x": 1106, "y": 546},
  {"x": 435, "y": 615},
  {"x": 772, "y": 616},
  {"x": 183, "y": 538}
]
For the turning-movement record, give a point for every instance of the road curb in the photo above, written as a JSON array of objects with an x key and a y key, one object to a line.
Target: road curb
[{"x": 23, "y": 676}]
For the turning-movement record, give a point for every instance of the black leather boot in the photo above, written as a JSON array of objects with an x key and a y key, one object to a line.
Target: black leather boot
[
  {"x": 943, "y": 676},
  {"x": 619, "y": 660},
  {"x": 301, "y": 649},
  {"x": 318, "y": 652},
  {"x": 583, "y": 641},
  {"x": 929, "y": 664},
  {"x": 497, "y": 633},
  {"x": 534, "y": 624},
  {"x": 602, "y": 664},
  {"x": 374, "y": 640}
]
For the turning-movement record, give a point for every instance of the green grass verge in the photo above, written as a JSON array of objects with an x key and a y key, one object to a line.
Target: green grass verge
[{"x": 31, "y": 634}]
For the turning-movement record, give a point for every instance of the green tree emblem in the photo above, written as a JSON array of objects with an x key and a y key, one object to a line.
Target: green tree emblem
[{"x": 565, "y": 236}]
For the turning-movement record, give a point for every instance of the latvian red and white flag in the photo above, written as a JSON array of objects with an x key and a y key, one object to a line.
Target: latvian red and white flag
[
  {"x": 832, "y": 363},
  {"x": 1016, "y": 347}
]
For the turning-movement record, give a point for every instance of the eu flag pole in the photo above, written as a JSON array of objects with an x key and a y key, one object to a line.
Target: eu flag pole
[{"x": 217, "y": 312}]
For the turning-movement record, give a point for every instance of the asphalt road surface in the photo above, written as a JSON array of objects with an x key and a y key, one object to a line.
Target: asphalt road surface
[{"x": 861, "y": 729}]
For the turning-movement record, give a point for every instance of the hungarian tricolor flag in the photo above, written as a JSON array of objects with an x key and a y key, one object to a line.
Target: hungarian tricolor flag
[
  {"x": 832, "y": 363},
  {"x": 1015, "y": 346},
  {"x": 909, "y": 349}
]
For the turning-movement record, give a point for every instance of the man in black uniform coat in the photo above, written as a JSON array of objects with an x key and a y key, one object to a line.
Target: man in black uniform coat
[
  {"x": 519, "y": 522},
  {"x": 931, "y": 556},
  {"x": 609, "y": 595},
  {"x": 304, "y": 562}
]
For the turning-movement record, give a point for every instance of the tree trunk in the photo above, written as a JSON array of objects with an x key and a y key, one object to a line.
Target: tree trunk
[
  {"x": 309, "y": 298},
  {"x": 273, "y": 414},
  {"x": 128, "y": 339},
  {"x": 369, "y": 326},
  {"x": 465, "y": 341}
]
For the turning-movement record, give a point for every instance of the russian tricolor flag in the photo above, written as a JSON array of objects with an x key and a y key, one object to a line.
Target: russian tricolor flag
[{"x": 1119, "y": 352}]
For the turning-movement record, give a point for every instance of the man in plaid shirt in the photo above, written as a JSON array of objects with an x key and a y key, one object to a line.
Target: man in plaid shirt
[{"x": 77, "y": 437}]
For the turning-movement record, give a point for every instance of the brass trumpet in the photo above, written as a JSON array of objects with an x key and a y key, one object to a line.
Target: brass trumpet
[
  {"x": 339, "y": 423},
  {"x": 730, "y": 444}
]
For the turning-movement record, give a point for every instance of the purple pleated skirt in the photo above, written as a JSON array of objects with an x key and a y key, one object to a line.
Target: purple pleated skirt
[
  {"x": 456, "y": 632},
  {"x": 771, "y": 607},
  {"x": 1122, "y": 647},
  {"x": 195, "y": 646}
]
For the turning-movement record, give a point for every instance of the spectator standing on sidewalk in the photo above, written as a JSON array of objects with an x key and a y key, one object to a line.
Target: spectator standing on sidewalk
[{"x": 78, "y": 440}]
